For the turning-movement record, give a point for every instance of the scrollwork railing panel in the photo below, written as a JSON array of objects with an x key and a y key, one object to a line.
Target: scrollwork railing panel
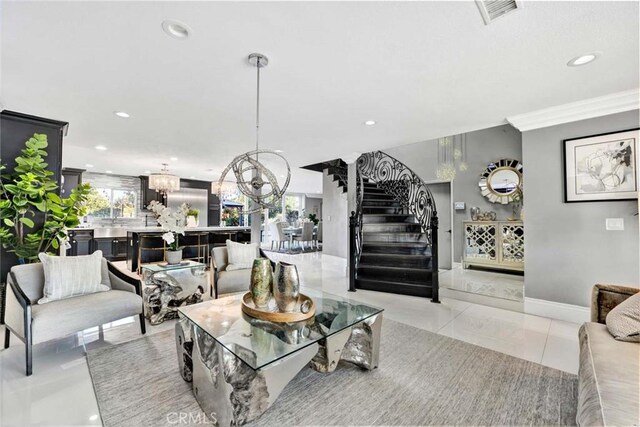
[{"x": 396, "y": 179}]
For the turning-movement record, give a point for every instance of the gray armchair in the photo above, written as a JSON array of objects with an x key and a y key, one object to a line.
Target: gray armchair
[
  {"x": 33, "y": 323},
  {"x": 227, "y": 282}
]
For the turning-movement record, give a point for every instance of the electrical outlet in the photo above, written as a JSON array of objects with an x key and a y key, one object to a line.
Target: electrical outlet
[
  {"x": 459, "y": 206},
  {"x": 614, "y": 224}
]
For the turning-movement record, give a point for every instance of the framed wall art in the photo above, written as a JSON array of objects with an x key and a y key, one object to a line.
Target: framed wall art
[{"x": 602, "y": 167}]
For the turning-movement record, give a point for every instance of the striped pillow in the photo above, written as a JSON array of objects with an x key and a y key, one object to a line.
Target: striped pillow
[{"x": 71, "y": 276}]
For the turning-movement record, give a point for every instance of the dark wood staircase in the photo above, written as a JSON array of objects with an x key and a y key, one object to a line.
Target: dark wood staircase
[{"x": 396, "y": 253}]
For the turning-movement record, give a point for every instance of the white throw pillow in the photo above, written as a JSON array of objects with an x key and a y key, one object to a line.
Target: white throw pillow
[
  {"x": 71, "y": 276},
  {"x": 623, "y": 322},
  {"x": 241, "y": 255}
]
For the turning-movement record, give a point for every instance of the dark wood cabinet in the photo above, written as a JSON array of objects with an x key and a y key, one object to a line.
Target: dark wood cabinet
[
  {"x": 148, "y": 195},
  {"x": 113, "y": 248},
  {"x": 71, "y": 179},
  {"x": 81, "y": 242},
  {"x": 15, "y": 130},
  {"x": 105, "y": 245}
]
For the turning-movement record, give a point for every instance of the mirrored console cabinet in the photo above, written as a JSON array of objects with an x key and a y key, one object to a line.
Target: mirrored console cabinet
[{"x": 494, "y": 244}]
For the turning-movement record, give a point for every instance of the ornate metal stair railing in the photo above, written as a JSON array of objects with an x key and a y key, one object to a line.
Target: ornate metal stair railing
[{"x": 408, "y": 189}]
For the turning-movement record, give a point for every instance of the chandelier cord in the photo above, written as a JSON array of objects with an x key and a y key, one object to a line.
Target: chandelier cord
[{"x": 257, "y": 108}]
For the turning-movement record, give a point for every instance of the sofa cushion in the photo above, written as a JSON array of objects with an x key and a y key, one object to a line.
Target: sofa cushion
[
  {"x": 623, "y": 322},
  {"x": 67, "y": 316},
  {"x": 66, "y": 277},
  {"x": 233, "y": 281},
  {"x": 609, "y": 379},
  {"x": 241, "y": 256}
]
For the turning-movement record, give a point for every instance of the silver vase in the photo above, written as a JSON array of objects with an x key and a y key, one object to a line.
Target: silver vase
[{"x": 286, "y": 286}]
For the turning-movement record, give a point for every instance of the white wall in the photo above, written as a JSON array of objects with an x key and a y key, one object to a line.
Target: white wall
[
  {"x": 567, "y": 247},
  {"x": 334, "y": 218}
]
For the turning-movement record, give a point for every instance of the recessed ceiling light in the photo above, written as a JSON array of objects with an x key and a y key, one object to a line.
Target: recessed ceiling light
[
  {"x": 121, "y": 114},
  {"x": 174, "y": 159},
  {"x": 583, "y": 59},
  {"x": 176, "y": 29},
  {"x": 88, "y": 165},
  {"x": 93, "y": 417},
  {"x": 278, "y": 151},
  {"x": 147, "y": 171},
  {"x": 370, "y": 122},
  {"x": 192, "y": 177},
  {"x": 101, "y": 148},
  {"x": 109, "y": 171}
]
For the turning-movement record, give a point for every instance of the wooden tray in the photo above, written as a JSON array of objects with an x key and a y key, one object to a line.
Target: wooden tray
[{"x": 272, "y": 314}]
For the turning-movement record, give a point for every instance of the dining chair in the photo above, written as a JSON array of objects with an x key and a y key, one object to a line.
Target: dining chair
[
  {"x": 317, "y": 235},
  {"x": 276, "y": 232},
  {"x": 306, "y": 235}
]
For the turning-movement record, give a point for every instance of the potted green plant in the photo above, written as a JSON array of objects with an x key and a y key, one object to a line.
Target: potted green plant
[
  {"x": 34, "y": 217},
  {"x": 314, "y": 218},
  {"x": 173, "y": 224},
  {"x": 192, "y": 217}
]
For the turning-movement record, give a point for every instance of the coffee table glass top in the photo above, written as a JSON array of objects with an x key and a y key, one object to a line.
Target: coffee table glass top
[
  {"x": 160, "y": 266},
  {"x": 259, "y": 342}
]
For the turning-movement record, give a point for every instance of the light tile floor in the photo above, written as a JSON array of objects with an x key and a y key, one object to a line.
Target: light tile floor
[
  {"x": 491, "y": 284},
  {"x": 60, "y": 391}
]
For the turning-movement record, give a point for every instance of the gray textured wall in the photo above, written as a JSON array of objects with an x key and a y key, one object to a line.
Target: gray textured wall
[
  {"x": 334, "y": 218},
  {"x": 483, "y": 146},
  {"x": 567, "y": 247},
  {"x": 102, "y": 180}
]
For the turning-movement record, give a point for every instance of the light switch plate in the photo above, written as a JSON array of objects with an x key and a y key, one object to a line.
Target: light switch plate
[
  {"x": 614, "y": 224},
  {"x": 459, "y": 206}
]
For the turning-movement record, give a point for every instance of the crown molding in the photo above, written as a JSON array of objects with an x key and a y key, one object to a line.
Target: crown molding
[{"x": 575, "y": 111}]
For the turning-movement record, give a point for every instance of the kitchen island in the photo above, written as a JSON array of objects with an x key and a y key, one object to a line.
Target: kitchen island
[{"x": 145, "y": 244}]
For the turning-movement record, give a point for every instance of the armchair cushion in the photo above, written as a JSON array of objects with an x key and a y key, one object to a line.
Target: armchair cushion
[
  {"x": 623, "y": 322},
  {"x": 70, "y": 315},
  {"x": 66, "y": 277},
  {"x": 233, "y": 281},
  {"x": 241, "y": 256}
]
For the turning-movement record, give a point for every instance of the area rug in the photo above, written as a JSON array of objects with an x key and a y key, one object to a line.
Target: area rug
[{"x": 423, "y": 379}]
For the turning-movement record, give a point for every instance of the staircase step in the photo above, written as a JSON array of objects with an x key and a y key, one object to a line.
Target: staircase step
[
  {"x": 368, "y": 237},
  {"x": 382, "y": 210},
  {"x": 416, "y": 276},
  {"x": 379, "y": 202},
  {"x": 377, "y": 196},
  {"x": 391, "y": 227},
  {"x": 373, "y": 190},
  {"x": 396, "y": 248},
  {"x": 396, "y": 260},
  {"x": 395, "y": 287},
  {"x": 381, "y": 218}
]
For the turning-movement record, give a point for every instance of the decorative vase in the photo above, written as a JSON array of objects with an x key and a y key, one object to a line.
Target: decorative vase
[
  {"x": 286, "y": 286},
  {"x": 475, "y": 212},
  {"x": 261, "y": 282},
  {"x": 173, "y": 257},
  {"x": 192, "y": 221}
]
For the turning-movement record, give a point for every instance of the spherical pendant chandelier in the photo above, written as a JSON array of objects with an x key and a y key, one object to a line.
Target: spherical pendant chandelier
[{"x": 253, "y": 179}]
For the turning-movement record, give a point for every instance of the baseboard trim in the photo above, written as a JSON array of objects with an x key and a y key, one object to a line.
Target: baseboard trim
[{"x": 557, "y": 310}]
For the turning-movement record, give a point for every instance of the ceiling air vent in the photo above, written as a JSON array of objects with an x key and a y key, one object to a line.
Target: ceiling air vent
[{"x": 494, "y": 9}]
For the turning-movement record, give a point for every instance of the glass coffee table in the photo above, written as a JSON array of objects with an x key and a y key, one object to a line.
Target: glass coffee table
[{"x": 239, "y": 365}]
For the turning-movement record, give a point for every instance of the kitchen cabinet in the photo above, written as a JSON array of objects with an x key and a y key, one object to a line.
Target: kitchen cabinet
[
  {"x": 113, "y": 248},
  {"x": 148, "y": 195},
  {"x": 81, "y": 242},
  {"x": 71, "y": 179}
]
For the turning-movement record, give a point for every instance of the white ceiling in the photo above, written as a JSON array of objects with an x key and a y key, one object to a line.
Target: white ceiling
[{"x": 420, "y": 69}]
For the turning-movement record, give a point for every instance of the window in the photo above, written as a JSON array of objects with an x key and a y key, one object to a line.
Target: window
[{"x": 111, "y": 203}]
